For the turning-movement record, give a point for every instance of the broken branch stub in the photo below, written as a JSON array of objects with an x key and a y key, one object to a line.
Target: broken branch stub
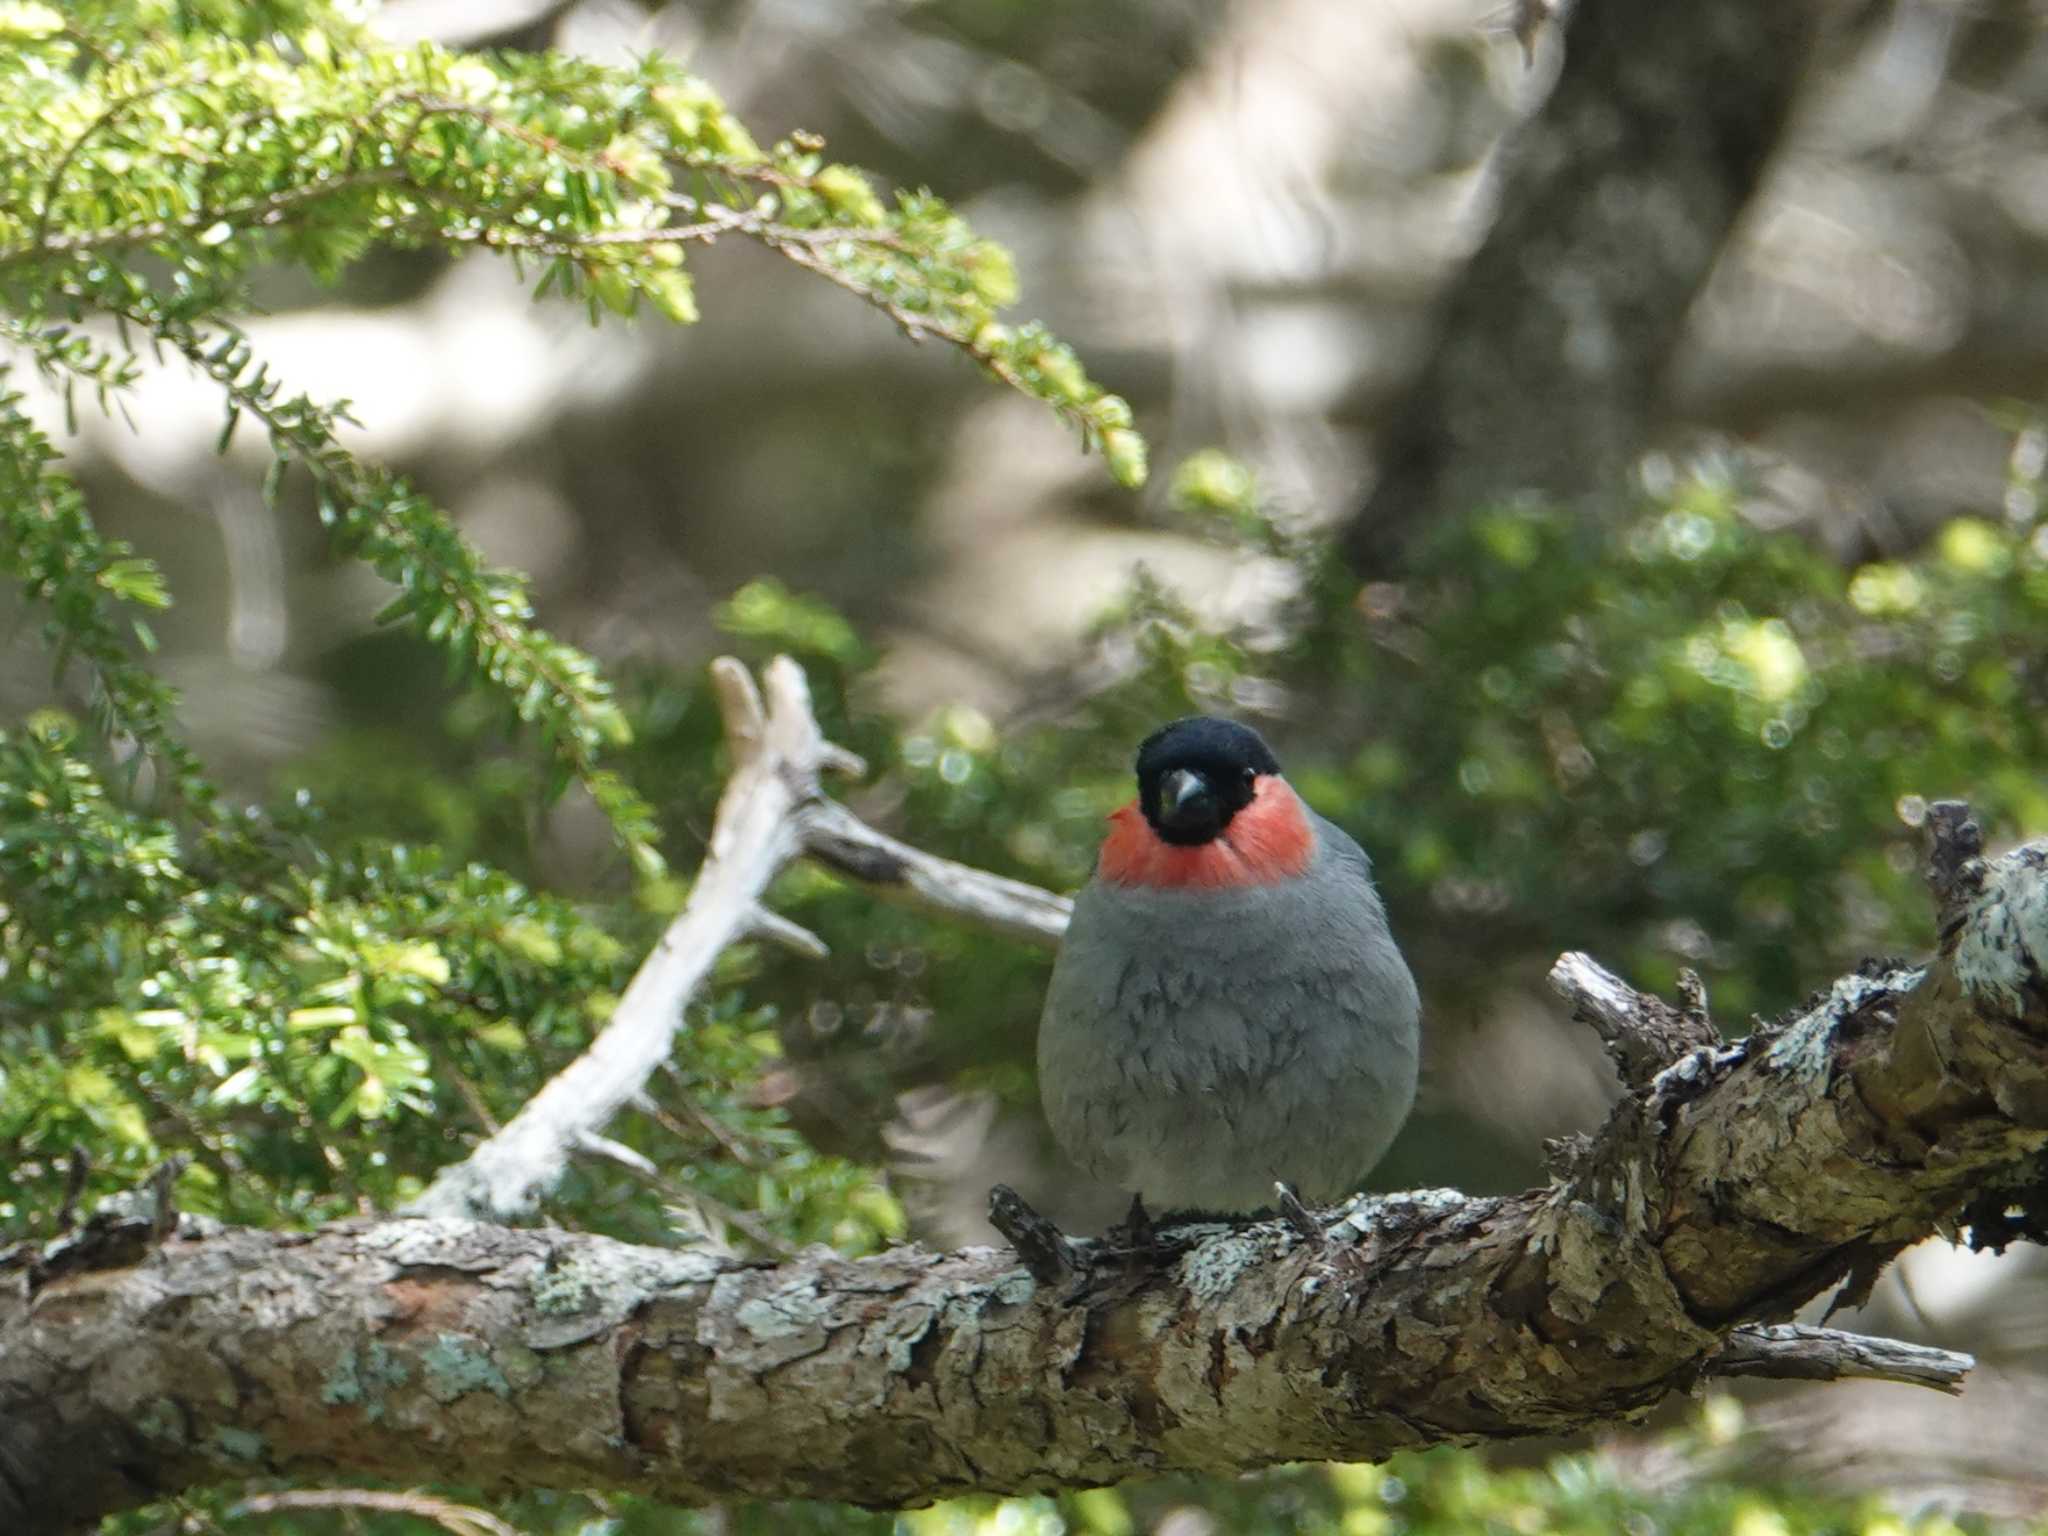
[
  {"x": 1643, "y": 1034},
  {"x": 777, "y": 752}
]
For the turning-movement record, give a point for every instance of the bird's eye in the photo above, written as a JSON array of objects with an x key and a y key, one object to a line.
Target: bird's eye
[{"x": 1250, "y": 776}]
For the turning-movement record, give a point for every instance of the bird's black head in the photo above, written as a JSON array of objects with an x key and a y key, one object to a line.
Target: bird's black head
[{"x": 1197, "y": 773}]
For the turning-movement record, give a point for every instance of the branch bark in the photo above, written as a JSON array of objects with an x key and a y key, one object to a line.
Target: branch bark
[
  {"x": 773, "y": 811},
  {"x": 1736, "y": 1185},
  {"x": 1789, "y": 1353}
]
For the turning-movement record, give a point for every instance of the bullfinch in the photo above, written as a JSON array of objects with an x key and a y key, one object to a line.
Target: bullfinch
[{"x": 1229, "y": 1008}]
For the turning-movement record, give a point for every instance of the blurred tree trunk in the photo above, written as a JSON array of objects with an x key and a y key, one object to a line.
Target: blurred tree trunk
[{"x": 1615, "y": 201}]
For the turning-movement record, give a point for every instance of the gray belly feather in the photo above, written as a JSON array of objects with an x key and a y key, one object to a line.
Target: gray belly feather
[{"x": 1196, "y": 1047}]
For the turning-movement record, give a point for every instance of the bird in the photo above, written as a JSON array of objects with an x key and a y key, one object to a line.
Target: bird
[{"x": 1228, "y": 1010}]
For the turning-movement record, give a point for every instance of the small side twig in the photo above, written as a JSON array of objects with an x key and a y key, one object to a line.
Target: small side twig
[
  {"x": 123, "y": 1230},
  {"x": 648, "y": 1172},
  {"x": 472, "y": 1096},
  {"x": 1788, "y": 1352},
  {"x": 773, "y": 812},
  {"x": 841, "y": 841},
  {"x": 777, "y": 929},
  {"x": 1299, "y": 1216},
  {"x": 735, "y": 1144},
  {"x": 778, "y": 752},
  {"x": 457, "y": 1519},
  {"x": 1692, "y": 1000},
  {"x": 74, "y": 1186},
  {"x": 1955, "y": 862},
  {"x": 1643, "y": 1034}
]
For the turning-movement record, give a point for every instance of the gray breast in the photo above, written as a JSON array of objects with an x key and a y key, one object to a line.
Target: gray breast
[{"x": 1197, "y": 1046}]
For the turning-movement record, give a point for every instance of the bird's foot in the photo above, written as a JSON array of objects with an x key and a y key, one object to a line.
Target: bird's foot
[
  {"x": 1299, "y": 1216},
  {"x": 1047, "y": 1252},
  {"x": 1137, "y": 1233}
]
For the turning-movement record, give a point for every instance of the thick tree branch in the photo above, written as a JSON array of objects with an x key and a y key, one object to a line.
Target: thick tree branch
[
  {"x": 771, "y": 813},
  {"x": 1739, "y": 1184}
]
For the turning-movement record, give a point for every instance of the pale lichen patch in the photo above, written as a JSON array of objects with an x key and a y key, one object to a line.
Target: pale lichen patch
[
  {"x": 446, "y": 1242},
  {"x": 1697, "y": 1068},
  {"x": 1210, "y": 1269},
  {"x": 238, "y": 1444},
  {"x": 454, "y": 1364},
  {"x": 2003, "y": 947},
  {"x": 897, "y": 1336},
  {"x": 561, "y": 1289},
  {"x": 596, "y": 1286},
  {"x": 364, "y": 1377},
  {"x": 1806, "y": 1048},
  {"x": 783, "y": 1313},
  {"x": 762, "y": 1325},
  {"x": 1364, "y": 1215}
]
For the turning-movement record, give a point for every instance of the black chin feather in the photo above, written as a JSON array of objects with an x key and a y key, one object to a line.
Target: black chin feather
[{"x": 1226, "y": 756}]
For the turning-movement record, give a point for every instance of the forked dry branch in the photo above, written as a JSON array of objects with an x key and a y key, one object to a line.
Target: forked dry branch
[{"x": 773, "y": 812}]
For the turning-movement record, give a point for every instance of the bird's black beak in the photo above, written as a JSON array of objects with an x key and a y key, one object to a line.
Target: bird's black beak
[{"x": 1189, "y": 811}]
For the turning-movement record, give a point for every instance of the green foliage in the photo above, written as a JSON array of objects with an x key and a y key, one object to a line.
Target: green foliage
[
  {"x": 294, "y": 137},
  {"x": 48, "y": 545},
  {"x": 1705, "y": 742},
  {"x": 181, "y": 975},
  {"x": 139, "y": 131},
  {"x": 245, "y": 1011},
  {"x": 1442, "y": 1492},
  {"x": 312, "y": 989}
]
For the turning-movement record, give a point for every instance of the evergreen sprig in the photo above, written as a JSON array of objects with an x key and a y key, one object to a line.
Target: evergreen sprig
[
  {"x": 480, "y": 614},
  {"x": 50, "y": 546},
  {"x": 238, "y": 984},
  {"x": 215, "y": 145},
  {"x": 221, "y": 151}
]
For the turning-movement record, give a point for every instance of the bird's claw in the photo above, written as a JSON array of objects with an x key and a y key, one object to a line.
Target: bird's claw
[
  {"x": 1137, "y": 1234},
  {"x": 1047, "y": 1252},
  {"x": 1299, "y": 1216}
]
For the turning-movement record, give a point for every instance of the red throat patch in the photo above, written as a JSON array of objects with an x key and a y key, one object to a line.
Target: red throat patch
[{"x": 1268, "y": 840}]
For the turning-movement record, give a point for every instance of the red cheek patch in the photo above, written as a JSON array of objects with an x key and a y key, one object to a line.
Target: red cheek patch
[{"x": 1268, "y": 840}]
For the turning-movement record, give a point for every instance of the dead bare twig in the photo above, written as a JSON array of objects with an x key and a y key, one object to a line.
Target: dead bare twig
[{"x": 773, "y": 812}]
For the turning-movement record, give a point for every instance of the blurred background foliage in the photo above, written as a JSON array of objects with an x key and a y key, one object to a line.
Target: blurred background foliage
[{"x": 318, "y": 854}]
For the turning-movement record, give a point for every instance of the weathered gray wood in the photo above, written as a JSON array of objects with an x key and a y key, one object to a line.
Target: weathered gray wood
[{"x": 772, "y": 812}]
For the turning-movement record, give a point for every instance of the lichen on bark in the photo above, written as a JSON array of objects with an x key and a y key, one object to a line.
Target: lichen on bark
[{"x": 1735, "y": 1184}]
